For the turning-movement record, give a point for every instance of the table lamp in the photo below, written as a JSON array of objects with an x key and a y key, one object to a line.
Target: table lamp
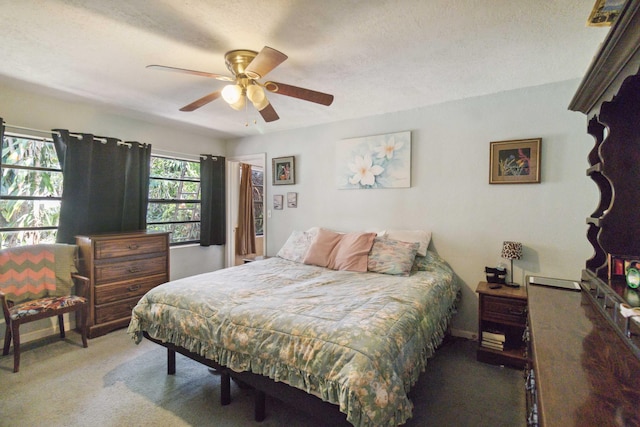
[{"x": 511, "y": 251}]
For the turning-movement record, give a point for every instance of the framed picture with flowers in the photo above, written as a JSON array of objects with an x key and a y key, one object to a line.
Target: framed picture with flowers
[
  {"x": 283, "y": 169},
  {"x": 378, "y": 161},
  {"x": 515, "y": 162}
]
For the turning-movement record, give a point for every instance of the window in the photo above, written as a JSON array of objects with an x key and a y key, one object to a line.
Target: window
[
  {"x": 174, "y": 199},
  {"x": 30, "y": 191},
  {"x": 257, "y": 180}
]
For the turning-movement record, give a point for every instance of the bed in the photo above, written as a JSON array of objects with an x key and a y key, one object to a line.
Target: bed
[{"x": 358, "y": 340}]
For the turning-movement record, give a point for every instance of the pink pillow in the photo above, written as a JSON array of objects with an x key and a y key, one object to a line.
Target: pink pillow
[{"x": 338, "y": 251}]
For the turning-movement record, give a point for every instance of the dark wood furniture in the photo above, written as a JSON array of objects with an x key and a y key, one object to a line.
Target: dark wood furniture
[
  {"x": 19, "y": 310},
  {"x": 582, "y": 372},
  {"x": 121, "y": 268},
  {"x": 503, "y": 309},
  {"x": 610, "y": 97},
  {"x": 585, "y": 354}
]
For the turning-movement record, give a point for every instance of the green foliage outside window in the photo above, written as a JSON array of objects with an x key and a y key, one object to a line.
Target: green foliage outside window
[
  {"x": 30, "y": 191},
  {"x": 174, "y": 198}
]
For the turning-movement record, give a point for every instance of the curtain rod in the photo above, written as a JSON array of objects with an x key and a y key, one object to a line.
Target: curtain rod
[
  {"x": 103, "y": 140},
  {"x": 31, "y": 129}
]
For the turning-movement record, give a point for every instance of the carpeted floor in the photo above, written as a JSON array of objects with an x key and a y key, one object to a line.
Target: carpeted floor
[{"x": 117, "y": 383}]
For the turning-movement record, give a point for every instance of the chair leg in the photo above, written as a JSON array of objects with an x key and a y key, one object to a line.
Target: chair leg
[
  {"x": 84, "y": 314},
  {"x": 61, "y": 325},
  {"x": 16, "y": 346},
  {"x": 7, "y": 340}
]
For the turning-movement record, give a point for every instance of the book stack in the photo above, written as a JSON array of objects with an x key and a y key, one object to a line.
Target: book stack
[{"x": 493, "y": 339}]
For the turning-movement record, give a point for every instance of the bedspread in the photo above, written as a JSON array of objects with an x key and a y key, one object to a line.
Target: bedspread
[{"x": 359, "y": 340}]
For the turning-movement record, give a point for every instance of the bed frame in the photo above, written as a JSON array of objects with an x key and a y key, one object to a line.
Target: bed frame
[{"x": 262, "y": 385}]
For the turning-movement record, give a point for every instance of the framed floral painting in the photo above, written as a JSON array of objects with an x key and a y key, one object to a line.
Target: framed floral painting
[
  {"x": 283, "y": 169},
  {"x": 380, "y": 161},
  {"x": 515, "y": 162}
]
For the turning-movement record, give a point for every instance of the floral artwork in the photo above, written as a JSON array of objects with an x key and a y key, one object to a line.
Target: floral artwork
[
  {"x": 515, "y": 162},
  {"x": 283, "y": 170},
  {"x": 380, "y": 161}
]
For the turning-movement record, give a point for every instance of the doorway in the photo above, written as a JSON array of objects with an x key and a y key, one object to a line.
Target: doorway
[{"x": 233, "y": 197}]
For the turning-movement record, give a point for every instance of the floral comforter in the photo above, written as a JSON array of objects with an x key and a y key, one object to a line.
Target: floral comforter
[{"x": 358, "y": 340}]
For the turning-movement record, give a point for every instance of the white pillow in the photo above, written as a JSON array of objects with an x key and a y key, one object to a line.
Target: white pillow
[
  {"x": 422, "y": 237},
  {"x": 296, "y": 246}
]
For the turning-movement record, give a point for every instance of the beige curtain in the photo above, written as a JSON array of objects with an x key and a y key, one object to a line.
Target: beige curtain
[{"x": 246, "y": 235}]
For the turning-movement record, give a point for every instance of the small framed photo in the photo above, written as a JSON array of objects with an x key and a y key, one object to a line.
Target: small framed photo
[
  {"x": 278, "y": 200},
  {"x": 292, "y": 200},
  {"x": 283, "y": 169},
  {"x": 515, "y": 162}
]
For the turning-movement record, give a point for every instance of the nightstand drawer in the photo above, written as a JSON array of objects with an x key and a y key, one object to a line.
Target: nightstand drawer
[{"x": 505, "y": 310}]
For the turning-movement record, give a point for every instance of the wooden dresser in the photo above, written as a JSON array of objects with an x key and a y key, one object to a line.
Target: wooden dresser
[
  {"x": 585, "y": 367},
  {"x": 581, "y": 372},
  {"x": 122, "y": 267}
]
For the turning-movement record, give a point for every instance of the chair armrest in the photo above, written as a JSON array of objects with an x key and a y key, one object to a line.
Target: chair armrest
[{"x": 82, "y": 283}]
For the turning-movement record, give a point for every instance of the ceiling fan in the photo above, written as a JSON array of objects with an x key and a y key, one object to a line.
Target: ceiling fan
[{"x": 247, "y": 67}]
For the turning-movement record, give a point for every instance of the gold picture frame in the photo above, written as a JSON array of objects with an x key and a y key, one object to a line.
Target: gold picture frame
[
  {"x": 605, "y": 13},
  {"x": 283, "y": 170},
  {"x": 515, "y": 161}
]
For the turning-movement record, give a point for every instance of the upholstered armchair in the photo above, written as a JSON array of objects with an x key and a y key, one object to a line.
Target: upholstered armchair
[{"x": 37, "y": 282}]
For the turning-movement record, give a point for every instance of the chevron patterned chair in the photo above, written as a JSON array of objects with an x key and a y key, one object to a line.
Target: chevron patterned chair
[{"x": 37, "y": 282}]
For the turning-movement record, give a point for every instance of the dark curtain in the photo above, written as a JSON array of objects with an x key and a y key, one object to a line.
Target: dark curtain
[
  {"x": 246, "y": 235},
  {"x": 106, "y": 184},
  {"x": 213, "y": 202}
]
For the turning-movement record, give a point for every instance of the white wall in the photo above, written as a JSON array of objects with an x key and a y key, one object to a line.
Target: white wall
[
  {"x": 23, "y": 108},
  {"x": 450, "y": 194}
]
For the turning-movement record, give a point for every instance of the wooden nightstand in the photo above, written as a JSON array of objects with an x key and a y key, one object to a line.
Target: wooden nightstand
[{"x": 503, "y": 312}]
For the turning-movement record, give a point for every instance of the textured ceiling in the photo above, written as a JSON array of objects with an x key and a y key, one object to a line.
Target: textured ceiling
[{"x": 375, "y": 57}]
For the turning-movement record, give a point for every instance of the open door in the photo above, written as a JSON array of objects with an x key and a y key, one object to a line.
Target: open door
[{"x": 233, "y": 197}]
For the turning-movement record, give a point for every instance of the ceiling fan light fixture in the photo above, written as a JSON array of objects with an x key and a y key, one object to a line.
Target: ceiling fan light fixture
[
  {"x": 232, "y": 94},
  {"x": 256, "y": 95},
  {"x": 239, "y": 104}
]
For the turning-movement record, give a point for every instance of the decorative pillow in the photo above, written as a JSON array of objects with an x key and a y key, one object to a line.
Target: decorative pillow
[
  {"x": 391, "y": 256},
  {"x": 296, "y": 246},
  {"x": 423, "y": 263},
  {"x": 340, "y": 251},
  {"x": 421, "y": 236}
]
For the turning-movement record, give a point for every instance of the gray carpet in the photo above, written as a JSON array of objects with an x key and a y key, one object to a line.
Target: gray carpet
[{"x": 117, "y": 383}]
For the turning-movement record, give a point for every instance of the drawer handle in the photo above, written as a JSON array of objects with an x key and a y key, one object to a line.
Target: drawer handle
[
  {"x": 133, "y": 288},
  {"x": 133, "y": 269},
  {"x": 516, "y": 312},
  {"x": 133, "y": 246}
]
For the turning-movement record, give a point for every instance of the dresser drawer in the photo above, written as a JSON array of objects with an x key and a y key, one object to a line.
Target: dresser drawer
[
  {"x": 125, "y": 270},
  {"x": 115, "y": 310},
  {"x": 504, "y": 310},
  {"x": 123, "y": 290},
  {"x": 129, "y": 247}
]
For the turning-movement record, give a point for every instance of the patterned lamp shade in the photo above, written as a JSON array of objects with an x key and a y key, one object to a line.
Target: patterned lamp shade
[{"x": 512, "y": 250}]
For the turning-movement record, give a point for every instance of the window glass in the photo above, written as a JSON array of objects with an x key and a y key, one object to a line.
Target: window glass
[
  {"x": 30, "y": 191},
  {"x": 174, "y": 199}
]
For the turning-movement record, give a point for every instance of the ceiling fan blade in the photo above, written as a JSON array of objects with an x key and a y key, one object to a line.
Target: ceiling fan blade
[
  {"x": 300, "y": 93},
  {"x": 265, "y": 61},
  {"x": 202, "y": 101},
  {"x": 269, "y": 114},
  {"x": 196, "y": 73}
]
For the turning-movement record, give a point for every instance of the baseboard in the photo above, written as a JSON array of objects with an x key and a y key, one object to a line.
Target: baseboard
[
  {"x": 42, "y": 332},
  {"x": 464, "y": 334}
]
